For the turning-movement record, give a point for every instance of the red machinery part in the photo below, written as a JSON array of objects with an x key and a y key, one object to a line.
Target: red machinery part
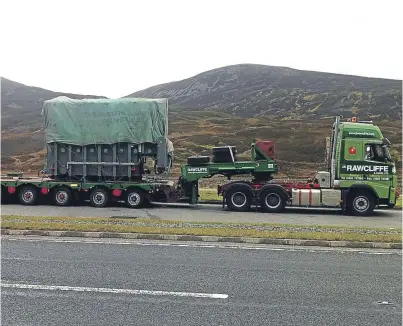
[{"x": 268, "y": 147}]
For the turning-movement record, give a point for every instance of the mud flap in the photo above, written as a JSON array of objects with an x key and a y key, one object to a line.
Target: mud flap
[{"x": 344, "y": 194}]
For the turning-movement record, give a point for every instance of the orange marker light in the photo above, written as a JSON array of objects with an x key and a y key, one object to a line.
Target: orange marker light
[{"x": 352, "y": 150}]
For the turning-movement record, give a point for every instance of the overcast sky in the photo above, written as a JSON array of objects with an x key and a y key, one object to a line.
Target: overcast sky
[{"x": 114, "y": 48}]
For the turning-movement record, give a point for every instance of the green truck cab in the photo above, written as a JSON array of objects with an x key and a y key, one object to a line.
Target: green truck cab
[{"x": 362, "y": 167}]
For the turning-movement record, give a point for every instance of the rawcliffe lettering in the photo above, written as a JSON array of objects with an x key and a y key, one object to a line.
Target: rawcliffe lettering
[
  {"x": 197, "y": 170},
  {"x": 367, "y": 168}
]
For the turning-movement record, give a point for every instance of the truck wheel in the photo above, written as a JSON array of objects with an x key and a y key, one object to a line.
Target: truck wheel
[
  {"x": 361, "y": 204},
  {"x": 4, "y": 195},
  {"x": 134, "y": 198},
  {"x": 99, "y": 198},
  {"x": 238, "y": 199},
  {"x": 28, "y": 195},
  {"x": 272, "y": 201},
  {"x": 62, "y": 196}
]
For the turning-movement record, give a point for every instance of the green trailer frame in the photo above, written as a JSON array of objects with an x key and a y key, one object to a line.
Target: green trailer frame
[
  {"x": 136, "y": 193},
  {"x": 30, "y": 191}
]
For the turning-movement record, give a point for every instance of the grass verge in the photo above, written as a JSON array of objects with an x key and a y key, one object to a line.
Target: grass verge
[
  {"x": 208, "y": 194},
  {"x": 399, "y": 203},
  {"x": 264, "y": 230}
]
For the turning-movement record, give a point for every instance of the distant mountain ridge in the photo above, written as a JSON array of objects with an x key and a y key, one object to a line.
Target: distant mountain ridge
[{"x": 257, "y": 90}]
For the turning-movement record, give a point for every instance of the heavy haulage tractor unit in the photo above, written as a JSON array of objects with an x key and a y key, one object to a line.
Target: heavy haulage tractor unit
[
  {"x": 361, "y": 176},
  {"x": 98, "y": 150}
]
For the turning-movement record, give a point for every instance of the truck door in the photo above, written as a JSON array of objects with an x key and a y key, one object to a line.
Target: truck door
[
  {"x": 352, "y": 156},
  {"x": 378, "y": 168}
]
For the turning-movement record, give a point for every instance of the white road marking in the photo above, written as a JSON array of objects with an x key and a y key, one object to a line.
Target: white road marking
[
  {"x": 287, "y": 248},
  {"x": 109, "y": 290}
]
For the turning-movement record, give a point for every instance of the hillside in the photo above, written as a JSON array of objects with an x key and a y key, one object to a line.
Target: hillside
[
  {"x": 230, "y": 105},
  {"x": 256, "y": 90}
]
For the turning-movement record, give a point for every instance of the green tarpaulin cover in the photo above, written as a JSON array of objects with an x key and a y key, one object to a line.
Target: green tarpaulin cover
[{"x": 105, "y": 121}]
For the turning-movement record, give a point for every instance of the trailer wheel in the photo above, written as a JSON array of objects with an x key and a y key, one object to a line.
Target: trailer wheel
[
  {"x": 272, "y": 201},
  {"x": 238, "y": 199},
  {"x": 99, "y": 197},
  {"x": 361, "y": 203},
  {"x": 134, "y": 198},
  {"x": 62, "y": 196},
  {"x": 28, "y": 195}
]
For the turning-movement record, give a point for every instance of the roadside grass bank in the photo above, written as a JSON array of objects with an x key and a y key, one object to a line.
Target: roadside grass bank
[
  {"x": 209, "y": 194},
  {"x": 399, "y": 203},
  {"x": 218, "y": 229}
]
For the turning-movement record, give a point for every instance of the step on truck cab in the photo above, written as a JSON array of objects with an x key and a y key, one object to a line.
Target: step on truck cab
[{"x": 361, "y": 176}]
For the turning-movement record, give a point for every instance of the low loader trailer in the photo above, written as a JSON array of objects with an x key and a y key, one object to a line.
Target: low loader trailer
[{"x": 360, "y": 177}]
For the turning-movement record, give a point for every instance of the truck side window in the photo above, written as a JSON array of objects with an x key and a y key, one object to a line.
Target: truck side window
[{"x": 369, "y": 153}]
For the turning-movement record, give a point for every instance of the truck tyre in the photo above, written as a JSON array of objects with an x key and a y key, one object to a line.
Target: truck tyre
[
  {"x": 4, "y": 195},
  {"x": 62, "y": 196},
  {"x": 28, "y": 195},
  {"x": 99, "y": 197},
  {"x": 134, "y": 198},
  {"x": 238, "y": 199},
  {"x": 272, "y": 201},
  {"x": 361, "y": 203}
]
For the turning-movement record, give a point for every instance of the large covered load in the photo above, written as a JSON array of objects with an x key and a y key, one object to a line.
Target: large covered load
[
  {"x": 105, "y": 121},
  {"x": 105, "y": 138}
]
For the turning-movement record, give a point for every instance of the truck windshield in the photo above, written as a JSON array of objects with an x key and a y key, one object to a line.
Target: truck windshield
[
  {"x": 378, "y": 152},
  {"x": 387, "y": 153}
]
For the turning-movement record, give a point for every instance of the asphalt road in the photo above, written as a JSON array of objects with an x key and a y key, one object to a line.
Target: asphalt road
[
  {"x": 271, "y": 286},
  {"x": 215, "y": 213}
]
